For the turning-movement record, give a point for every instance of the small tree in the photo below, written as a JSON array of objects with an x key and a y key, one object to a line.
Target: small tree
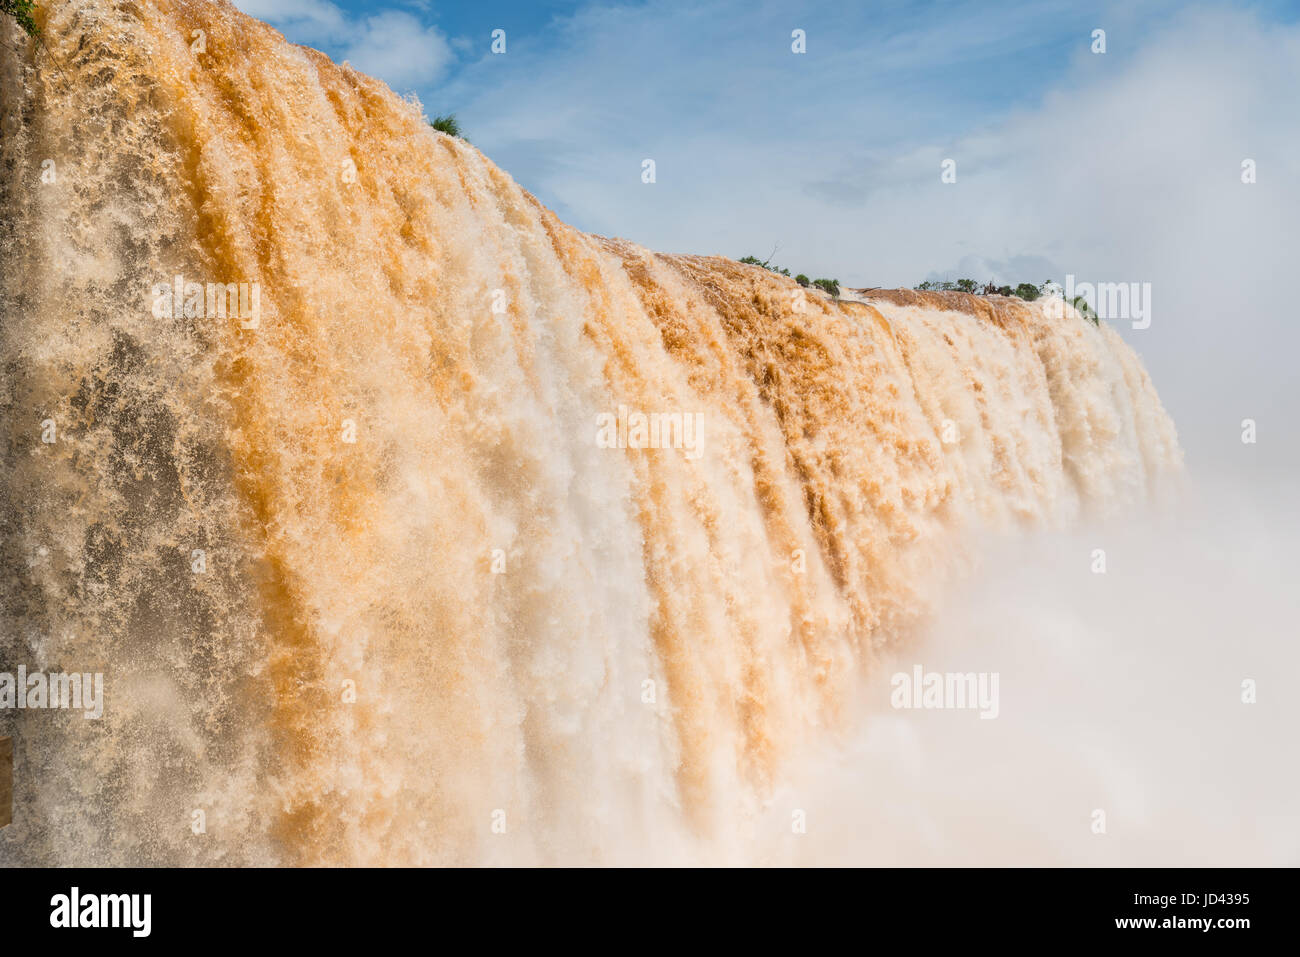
[
  {"x": 966, "y": 285},
  {"x": 1027, "y": 291},
  {"x": 831, "y": 286},
  {"x": 802, "y": 280},
  {"x": 21, "y": 11}
]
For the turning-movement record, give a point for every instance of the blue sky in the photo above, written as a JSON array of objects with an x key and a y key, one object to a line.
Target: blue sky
[{"x": 1114, "y": 167}]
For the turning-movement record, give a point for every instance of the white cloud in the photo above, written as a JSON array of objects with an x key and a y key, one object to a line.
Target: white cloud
[
  {"x": 400, "y": 50},
  {"x": 310, "y": 21},
  {"x": 394, "y": 46}
]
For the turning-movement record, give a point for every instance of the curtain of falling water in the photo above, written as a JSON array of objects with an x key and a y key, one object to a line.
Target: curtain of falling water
[{"x": 362, "y": 582}]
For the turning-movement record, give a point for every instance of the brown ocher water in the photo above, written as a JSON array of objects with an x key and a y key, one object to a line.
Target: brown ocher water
[{"x": 365, "y": 584}]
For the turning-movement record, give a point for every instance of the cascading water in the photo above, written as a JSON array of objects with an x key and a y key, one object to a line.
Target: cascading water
[{"x": 366, "y": 550}]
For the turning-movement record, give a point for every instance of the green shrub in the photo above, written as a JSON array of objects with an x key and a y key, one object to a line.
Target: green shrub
[
  {"x": 802, "y": 280},
  {"x": 447, "y": 124},
  {"x": 21, "y": 11},
  {"x": 831, "y": 286},
  {"x": 765, "y": 264},
  {"x": 1027, "y": 291},
  {"x": 966, "y": 285},
  {"x": 1085, "y": 310}
]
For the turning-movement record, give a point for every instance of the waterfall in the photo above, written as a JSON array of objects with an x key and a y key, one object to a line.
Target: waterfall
[{"x": 408, "y": 524}]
